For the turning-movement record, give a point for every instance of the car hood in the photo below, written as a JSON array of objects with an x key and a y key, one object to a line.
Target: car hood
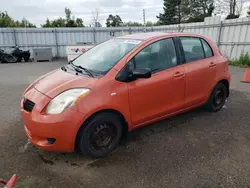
[{"x": 58, "y": 81}]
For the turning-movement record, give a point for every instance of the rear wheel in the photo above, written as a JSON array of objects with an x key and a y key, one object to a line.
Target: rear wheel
[
  {"x": 10, "y": 59},
  {"x": 217, "y": 98},
  {"x": 101, "y": 135}
]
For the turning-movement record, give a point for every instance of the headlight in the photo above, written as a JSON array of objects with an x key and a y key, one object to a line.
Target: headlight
[{"x": 65, "y": 100}]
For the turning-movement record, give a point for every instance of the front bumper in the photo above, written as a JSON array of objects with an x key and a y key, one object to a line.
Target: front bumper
[{"x": 40, "y": 127}]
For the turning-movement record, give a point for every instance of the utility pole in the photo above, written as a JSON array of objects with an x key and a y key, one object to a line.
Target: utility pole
[
  {"x": 25, "y": 25},
  {"x": 144, "y": 20}
]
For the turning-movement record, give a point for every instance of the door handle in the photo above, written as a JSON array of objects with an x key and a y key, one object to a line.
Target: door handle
[
  {"x": 212, "y": 64},
  {"x": 178, "y": 74}
]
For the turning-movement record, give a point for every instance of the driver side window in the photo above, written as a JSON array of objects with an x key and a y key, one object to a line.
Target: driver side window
[{"x": 158, "y": 56}]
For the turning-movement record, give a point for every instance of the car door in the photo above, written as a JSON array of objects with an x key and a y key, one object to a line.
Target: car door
[
  {"x": 200, "y": 69},
  {"x": 164, "y": 92}
]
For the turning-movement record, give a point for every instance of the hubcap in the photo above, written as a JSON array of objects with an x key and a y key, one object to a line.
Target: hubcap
[{"x": 102, "y": 137}]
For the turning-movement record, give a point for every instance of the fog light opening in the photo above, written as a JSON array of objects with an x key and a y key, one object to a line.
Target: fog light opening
[{"x": 51, "y": 140}]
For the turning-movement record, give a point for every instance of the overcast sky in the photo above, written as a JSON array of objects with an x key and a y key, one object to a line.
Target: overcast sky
[{"x": 36, "y": 11}]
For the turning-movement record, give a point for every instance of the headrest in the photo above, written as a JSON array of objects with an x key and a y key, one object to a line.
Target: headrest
[{"x": 197, "y": 49}]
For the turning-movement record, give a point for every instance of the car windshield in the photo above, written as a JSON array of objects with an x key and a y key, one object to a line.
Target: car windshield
[{"x": 104, "y": 56}]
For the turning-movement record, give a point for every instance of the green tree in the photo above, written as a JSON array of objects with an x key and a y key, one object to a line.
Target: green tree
[
  {"x": 150, "y": 24},
  {"x": 197, "y": 10},
  {"x": 170, "y": 12},
  {"x": 181, "y": 11},
  {"x": 47, "y": 23},
  {"x": 67, "y": 14},
  {"x": 60, "y": 22},
  {"x": 132, "y": 24},
  {"x": 248, "y": 12},
  {"x": 7, "y": 21},
  {"x": 137, "y": 24},
  {"x": 24, "y": 23},
  {"x": 68, "y": 21},
  {"x": 79, "y": 22},
  {"x": 114, "y": 21}
]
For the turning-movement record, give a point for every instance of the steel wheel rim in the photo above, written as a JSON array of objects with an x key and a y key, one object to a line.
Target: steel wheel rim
[
  {"x": 218, "y": 97},
  {"x": 103, "y": 137}
]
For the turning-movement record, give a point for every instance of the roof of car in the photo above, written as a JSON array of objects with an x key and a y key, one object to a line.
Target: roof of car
[{"x": 151, "y": 35}]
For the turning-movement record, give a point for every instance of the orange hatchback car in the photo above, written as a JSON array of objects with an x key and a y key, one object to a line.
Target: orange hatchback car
[{"x": 120, "y": 85}]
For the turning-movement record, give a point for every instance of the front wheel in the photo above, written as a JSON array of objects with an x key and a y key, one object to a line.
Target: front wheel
[
  {"x": 19, "y": 59},
  {"x": 218, "y": 98},
  {"x": 26, "y": 58},
  {"x": 101, "y": 135}
]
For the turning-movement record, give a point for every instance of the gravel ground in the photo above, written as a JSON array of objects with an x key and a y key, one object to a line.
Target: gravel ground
[{"x": 195, "y": 149}]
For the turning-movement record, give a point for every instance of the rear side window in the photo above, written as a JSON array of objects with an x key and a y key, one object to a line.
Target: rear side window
[
  {"x": 207, "y": 49},
  {"x": 193, "y": 49}
]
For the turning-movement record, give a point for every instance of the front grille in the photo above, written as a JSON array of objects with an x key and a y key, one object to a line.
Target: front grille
[{"x": 28, "y": 105}]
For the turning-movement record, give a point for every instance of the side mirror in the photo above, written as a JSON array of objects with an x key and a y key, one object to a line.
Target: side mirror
[{"x": 142, "y": 73}]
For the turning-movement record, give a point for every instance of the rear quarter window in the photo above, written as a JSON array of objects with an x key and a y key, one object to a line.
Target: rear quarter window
[{"x": 207, "y": 49}]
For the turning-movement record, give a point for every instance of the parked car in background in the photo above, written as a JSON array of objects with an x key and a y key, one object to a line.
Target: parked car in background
[{"x": 120, "y": 85}]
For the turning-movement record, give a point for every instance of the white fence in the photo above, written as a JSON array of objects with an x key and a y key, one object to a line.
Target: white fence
[{"x": 232, "y": 36}]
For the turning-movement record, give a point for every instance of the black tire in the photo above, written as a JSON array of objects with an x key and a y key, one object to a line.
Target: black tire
[
  {"x": 100, "y": 135},
  {"x": 10, "y": 59},
  {"x": 218, "y": 98},
  {"x": 19, "y": 59},
  {"x": 26, "y": 58}
]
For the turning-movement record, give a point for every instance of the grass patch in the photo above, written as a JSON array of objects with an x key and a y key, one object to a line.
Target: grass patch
[{"x": 243, "y": 61}]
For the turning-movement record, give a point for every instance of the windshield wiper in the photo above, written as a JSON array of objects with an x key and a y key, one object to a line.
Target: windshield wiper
[
  {"x": 77, "y": 67},
  {"x": 86, "y": 70}
]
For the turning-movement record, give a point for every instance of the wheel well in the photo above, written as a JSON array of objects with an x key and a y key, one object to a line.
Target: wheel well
[
  {"x": 119, "y": 114},
  {"x": 225, "y": 82}
]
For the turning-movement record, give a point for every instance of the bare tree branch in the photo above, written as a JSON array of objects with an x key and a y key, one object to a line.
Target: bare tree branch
[
  {"x": 95, "y": 15},
  {"x": 229, "y": 7}
]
